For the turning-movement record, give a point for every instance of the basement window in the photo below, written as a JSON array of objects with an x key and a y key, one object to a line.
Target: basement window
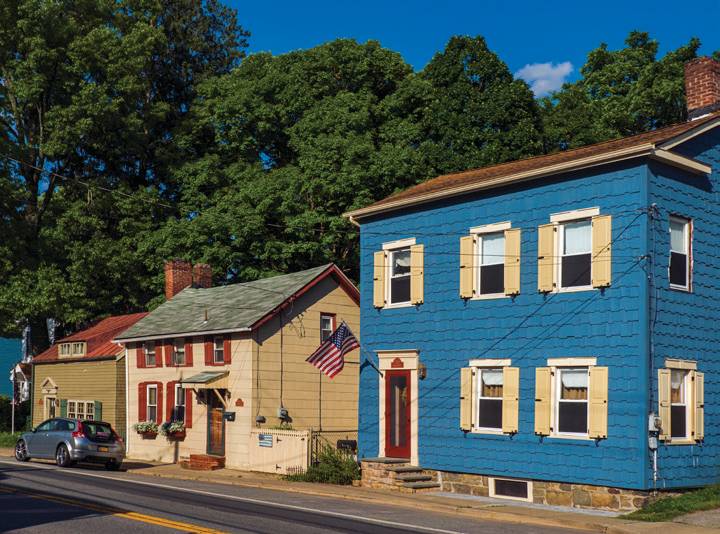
[{"x": 505, "y": 488}]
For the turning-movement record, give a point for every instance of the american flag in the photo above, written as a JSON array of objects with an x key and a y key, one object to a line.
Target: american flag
[{"x": 330, "y": 356}]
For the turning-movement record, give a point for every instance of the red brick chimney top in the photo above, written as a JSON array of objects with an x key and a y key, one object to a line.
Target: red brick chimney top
[
  {"x": 178, "y": 276},
  {"x": 202, "y": 275},
  {"x": 702, "y": 86}
]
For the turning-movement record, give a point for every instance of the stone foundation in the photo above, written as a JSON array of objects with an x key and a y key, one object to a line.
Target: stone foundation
[{"x": 377, "y": 475}]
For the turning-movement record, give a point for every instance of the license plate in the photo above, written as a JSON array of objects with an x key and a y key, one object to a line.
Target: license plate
[{"x": 103, "y": 449}]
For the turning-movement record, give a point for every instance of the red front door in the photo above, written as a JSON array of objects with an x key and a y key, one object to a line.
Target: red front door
[{"x": 397, "y": 414}]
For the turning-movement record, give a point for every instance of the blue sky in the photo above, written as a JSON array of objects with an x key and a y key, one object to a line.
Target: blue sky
[{"x": 522, "y": 33}]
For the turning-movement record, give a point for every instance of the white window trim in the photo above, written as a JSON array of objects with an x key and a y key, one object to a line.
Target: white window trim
[
  {"x": 555, "y": 394},
  {"x": 147, "y": 402},
  {"x": 558, "y": 246},
  {"x": 175, "y": 352},
  {"x": 491, "y": 362},
  {"x": 689, "y": 395},
  {"x": 215, "y": 349},
  {"x": 147, "y": 352},
  {"x": 85, "y": 404},
  {"x": 491, "y": 228},
  {"x": 47, "y": 399},
  {"x": 476, "y": 428},
  {"x": 178, "y": 397},
  {"x": 568, "y": 216},
  {"x": 572, "y": 362},
  {"x": 687, "y": 223},
  {"x": 392, "y": 247},
  {"x": 491, "y": 484},
  {"x": 676, "y": 363},
  {"x": 400, "y": 243}
]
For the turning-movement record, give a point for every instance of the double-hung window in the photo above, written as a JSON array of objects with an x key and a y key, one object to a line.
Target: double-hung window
[
  {"x": 179, "y": 408},
  {"x": 681, "y": 402},
  {"x": 327, "y": 326},
  {"x": 572, "y": 385},
  {"x": 179, "y": 351},
  {"x": 680, "y": 253},
  {"x": 149, "y": 347},
  {"x": 490, "y": 397},
  {"x": 151, "y": 403},
  {"x": 78, "y": 409},
  {"x": 399, "y": 275},
  {"x": 218, "y": 349},
  {"x": 491, "y": 259},
  {"x": 575, "y": 248}
]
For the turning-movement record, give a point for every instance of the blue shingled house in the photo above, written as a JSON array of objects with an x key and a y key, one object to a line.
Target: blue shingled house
[{"x": 546, "y": 329}]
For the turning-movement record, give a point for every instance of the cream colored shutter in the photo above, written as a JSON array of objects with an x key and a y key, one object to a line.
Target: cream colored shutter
[
  {"x": 597, "y": 425},
  {"x": 664, "y": 402},
  {"x": 379, "y": 268},
  {"x": 601, "y": 250},
  {"x": 699, "y": 396},
  {"x": 511, "y": 399},
  {"x": 467, "y": 266},
  {"x": 466, "y": 397},
  {"x": 512, "y": 261},
  {"x": 546, "y": 256},
  {"x": 417, "y": 273},
  {"x": 543, "y": 400}
]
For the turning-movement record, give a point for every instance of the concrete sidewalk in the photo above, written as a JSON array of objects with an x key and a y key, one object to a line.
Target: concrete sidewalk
[{"x": 478, "y": 508}]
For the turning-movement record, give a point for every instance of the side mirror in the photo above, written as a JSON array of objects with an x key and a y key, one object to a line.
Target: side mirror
[{"x": 33, "y": 429}]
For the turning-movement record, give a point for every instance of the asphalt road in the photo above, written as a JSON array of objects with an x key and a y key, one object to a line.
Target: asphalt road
[{"x": 37, "y": 497}]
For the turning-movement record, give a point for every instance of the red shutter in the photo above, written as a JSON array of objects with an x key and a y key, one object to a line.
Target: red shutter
[
  {"x": 142, "y": 402},
  {"x": 227, "y": 356},
  {"x": 140, "y": 351},
  {"x": 168, "y": 350},
  {"x": 188, "y": 352},
  {"x": 208, "y": 350},
  {"x": 159, "y": 402},
  {"x": 188, "y": 407},
  {"x": 170, "y": 399}
]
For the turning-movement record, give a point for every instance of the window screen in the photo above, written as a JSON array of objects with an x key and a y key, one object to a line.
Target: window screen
[
  {"x": 572, "y": 404},
  {"x": 679, "y": 252},
  {"x": 400, "y": 276},
  {"x": 511, "y": 488},
  {"x": 490, "y": 385},
  {"x": 576, "y": 253},
  {"x": 492, "y": 263}
]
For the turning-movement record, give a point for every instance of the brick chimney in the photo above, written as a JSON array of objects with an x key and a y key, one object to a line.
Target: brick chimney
[
  {"x": 202, "y": 275},
  {"x": 178, "y": 276},
  {"x": 702, "y": 86}
]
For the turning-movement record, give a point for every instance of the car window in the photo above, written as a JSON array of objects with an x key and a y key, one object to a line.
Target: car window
[
  {"x": 45, "y": 426},
  {"x": 64, "y": 426},
  {"x": 94, "y": 430}
]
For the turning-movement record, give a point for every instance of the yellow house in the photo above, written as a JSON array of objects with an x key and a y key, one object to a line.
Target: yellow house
[
  {"x": 225, "y": 360},
  {"x": 83, "y": 375}
]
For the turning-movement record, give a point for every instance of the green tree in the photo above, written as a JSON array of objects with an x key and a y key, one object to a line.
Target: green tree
[
  {"x": 479, "y": 114},
  {"x": 94, "y": 90},
  {"x": 621, "y": 93}
]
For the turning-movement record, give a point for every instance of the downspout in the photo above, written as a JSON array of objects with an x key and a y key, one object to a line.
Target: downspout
[{"x": 127, "y": 401}]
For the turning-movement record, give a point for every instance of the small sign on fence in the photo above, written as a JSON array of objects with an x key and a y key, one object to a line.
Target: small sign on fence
[{"x": 265, "y": 440}]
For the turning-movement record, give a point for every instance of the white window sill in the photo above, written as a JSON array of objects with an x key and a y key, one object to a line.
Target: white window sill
[
  {"x": 398, "y": 305},
  {"x": 680, "y": 441},
  {"x": 573, "y": 289},
  {"x": 580, "y": 437},
  {"x": 490, "y": 296},
  {"x": 684, "y": 289},
  {"x": 490, "y": 431}
]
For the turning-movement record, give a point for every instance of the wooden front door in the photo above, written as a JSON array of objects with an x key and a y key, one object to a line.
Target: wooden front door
[
  {"x": 216, "y": 425},
  {"x": 397, "y": 414}
]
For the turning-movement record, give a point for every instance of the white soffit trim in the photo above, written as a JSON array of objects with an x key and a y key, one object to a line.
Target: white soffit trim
[
  {"x": 121, "y": 341},
  {"x": 676, "y": 160},
  {"x": 573, "y": 215},
  {"x": 674, "y": 363},
  {"x": 400, "y": 243},
  {"x": 491, "y": 362},
  {"x": 571, "y": 362},
  {"x": 489, "y": 228},
  {"x": 680, "y": 139}
]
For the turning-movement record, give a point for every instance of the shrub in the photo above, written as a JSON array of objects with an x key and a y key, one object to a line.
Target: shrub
[
  {"x": 333, "y": 467},
  {"x": 170, "y": 428}
]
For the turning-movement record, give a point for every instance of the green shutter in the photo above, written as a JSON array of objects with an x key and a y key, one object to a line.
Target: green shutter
[
  {"x": 63, "y": 407},
  {"x": 98, "y": 411}
]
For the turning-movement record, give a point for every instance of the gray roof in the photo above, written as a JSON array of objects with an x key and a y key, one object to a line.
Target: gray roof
[{"x": 231, "y": 307}]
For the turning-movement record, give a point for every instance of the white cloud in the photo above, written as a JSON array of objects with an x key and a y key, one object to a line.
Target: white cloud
[{"x": 544, "y": 78}]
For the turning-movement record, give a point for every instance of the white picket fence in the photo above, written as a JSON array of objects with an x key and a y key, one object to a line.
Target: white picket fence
[{"x": 279, "y": 451}]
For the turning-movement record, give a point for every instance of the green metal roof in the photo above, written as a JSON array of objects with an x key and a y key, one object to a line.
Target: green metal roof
[
  {"x": 204, "y": 377},
  {"x": 221, "y": 308}
]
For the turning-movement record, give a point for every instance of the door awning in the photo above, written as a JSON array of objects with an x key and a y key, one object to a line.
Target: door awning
[{"x": 207, "y": 380}]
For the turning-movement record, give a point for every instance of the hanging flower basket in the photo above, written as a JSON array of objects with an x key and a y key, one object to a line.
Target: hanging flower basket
[
  {"x": 176, "y": 436},
  {"x": 148, "y": 435},
  {"x": 174, "y": 431},
  {"x": 147, "y": 429}
]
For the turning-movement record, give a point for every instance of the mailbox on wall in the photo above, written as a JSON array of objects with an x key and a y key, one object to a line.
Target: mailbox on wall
[{"x": 229, "y": 416}]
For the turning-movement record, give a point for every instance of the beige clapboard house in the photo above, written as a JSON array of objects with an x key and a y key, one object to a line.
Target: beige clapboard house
[{"x": 226, "y": 360}]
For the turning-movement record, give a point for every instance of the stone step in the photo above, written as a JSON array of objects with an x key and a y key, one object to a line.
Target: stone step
[
  {"x": 383, "y": 460},
  {"x": 414, "y": 478},
  {"x": 421, "y": 485},
  {"x": 404, "y": 469}
]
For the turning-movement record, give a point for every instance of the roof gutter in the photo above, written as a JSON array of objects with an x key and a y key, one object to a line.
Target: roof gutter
[
  {"x": 644, "y": 150},
  {"x": 123, "y": 340}
]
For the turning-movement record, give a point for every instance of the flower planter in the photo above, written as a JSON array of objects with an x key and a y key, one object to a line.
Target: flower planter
[
  {"x": 148, "y": 435},
  {"x": 176, "y": 436}
]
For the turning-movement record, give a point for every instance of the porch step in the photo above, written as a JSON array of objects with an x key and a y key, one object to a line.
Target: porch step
[
  {"x": 203, "y": 462},
  {"x": 384, "y": 460},
  {"x": 413, "y": 478},
  {"x": 404, "y": 469},
  {"x": 415, "y": 487}
]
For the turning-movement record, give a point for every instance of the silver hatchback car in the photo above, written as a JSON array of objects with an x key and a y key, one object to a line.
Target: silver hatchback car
[{"x": 72, "y": 440}]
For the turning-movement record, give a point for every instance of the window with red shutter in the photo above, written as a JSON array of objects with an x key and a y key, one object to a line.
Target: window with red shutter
[
  {"x": 208, "y": 344},
  {"x": 226, "y": 349},
  {"x": 169, "y": 398},
  {"x": 142, "y": 402},
  {"x": 188, "y": 352},
  {"x": 188, "y": 407},
  {"x": 140, "y": 353}
]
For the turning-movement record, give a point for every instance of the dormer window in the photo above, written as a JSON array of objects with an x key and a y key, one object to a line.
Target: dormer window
[{"x": 72, "y": 350}]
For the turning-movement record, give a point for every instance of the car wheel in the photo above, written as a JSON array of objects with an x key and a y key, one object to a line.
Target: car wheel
[
  {"x": 62, "y": 456},
  {"x": 112, "y": 465},
  {"x": 21, "y": 454}
]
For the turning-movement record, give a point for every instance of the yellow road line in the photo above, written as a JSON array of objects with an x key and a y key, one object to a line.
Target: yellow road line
[{"x": 134, "y": 516}]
